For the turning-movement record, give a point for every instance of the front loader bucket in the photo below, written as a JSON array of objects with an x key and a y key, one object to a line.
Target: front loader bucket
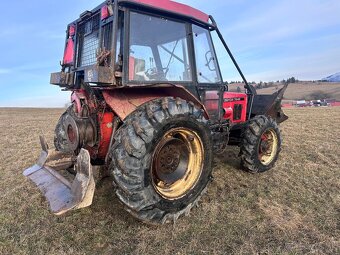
[{"x": 62, "y": 194}]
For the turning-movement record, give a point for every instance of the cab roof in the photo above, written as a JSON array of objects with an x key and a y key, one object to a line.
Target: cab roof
[{"x": 173, "y": 7}]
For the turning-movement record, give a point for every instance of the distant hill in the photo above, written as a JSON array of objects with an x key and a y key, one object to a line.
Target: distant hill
[
  {"x": 332, "y": 78},
  {"x": 308, "y": 91}
]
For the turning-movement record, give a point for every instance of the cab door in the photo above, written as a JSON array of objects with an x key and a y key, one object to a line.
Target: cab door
[{"x": 208, "y": 75}]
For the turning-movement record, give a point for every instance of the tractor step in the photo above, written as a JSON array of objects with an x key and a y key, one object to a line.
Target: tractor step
[{"x": 62, "y": 194}]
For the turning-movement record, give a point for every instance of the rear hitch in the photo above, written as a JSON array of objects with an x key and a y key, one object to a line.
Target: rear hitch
[{"x": 62, "y": 194}]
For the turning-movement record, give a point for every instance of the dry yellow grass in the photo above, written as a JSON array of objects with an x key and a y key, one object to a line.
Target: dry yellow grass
[
  {"x": 301, "y": 90},
  {"x": 305, "y": 90},
  {"x": 293, "y": 209}
]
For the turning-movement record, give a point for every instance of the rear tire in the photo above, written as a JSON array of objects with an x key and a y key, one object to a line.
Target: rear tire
[
  {"x": 156, "y": 129},
  {"x": 60, "y": 134},
  {"x": 261, "y": 145}
]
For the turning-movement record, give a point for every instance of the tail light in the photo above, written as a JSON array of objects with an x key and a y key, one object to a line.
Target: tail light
[
  {"x": 71, "y": 30},
  {"x": 69, "y": 49},
  {"x": 105, "y": 12}
]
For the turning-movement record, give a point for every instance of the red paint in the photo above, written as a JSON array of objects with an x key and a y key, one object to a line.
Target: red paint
[
  {"x": 69, "y": 52},
  {"x": 71, "y": 30},
  {"x": 69, "y": 49},
  {"x": 123, "y": 103},
  {"x": 76, "y": 97},
  {"x": 231, "y": 101},
  {"x": 105, "y": 121},
  {"x": 211, "y": 105},
  {"x": 335, "y": 104},
  {"x": 76, "y": 102},
  {"x": 175, "y": 7},
  {"x": 228, "y": 113},
  {"x": 211, "y": 101},
  {"x": 106, "y": 127},
  {"x": 211, "y": 95},
  {"x": 286, "y": 105},
  {"x": 131, "y": 68},
  {"x": 105, "y": 12}
]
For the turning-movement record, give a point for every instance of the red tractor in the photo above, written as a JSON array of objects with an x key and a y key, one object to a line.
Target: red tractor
[{"x": 149, "y": 106}]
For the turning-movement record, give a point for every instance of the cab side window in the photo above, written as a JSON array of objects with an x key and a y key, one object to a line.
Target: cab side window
[{"x": 206, "y": 62}]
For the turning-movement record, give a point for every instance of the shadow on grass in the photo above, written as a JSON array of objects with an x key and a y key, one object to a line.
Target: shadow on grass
[{"x": 229, "y": 158}]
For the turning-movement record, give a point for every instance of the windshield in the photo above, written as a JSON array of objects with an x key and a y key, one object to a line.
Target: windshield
[{"x": 158, "y": 50}]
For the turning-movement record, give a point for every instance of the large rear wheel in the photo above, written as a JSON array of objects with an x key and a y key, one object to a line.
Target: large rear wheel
[{"x": 161, "y": 160}]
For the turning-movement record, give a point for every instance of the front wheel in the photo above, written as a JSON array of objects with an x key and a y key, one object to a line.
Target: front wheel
[
  {"x": 161, "y": 160},
  {"x": 261, "y": 144}
]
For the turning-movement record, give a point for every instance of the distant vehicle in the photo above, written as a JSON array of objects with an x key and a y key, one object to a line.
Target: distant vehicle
[
  {"x": 302, "y": 103},
  {"x": 319, "y": 103}
]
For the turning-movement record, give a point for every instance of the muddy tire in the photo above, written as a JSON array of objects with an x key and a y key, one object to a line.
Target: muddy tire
[
  {"x": 60, "y": 135},
  {"x": 161, "y": 160},
  {"x": 261, "y": 145}
]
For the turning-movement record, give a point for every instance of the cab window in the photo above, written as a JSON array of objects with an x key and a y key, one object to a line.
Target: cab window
[
  {"x": 206, "y": 62},
  {"x": 158, "y": 50}
]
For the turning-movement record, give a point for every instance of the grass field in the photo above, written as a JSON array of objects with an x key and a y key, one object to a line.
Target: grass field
[
  {"x": 293, "y": 209},
  {"x": 302, "y": 90},
  {"x": 308, "y": 90}
]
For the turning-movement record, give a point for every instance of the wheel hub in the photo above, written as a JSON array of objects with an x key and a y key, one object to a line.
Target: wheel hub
[
  {"x": 177, "y": 163},
  {"x": 268, "y": 146},
  {"x": 169, "y": 158}
]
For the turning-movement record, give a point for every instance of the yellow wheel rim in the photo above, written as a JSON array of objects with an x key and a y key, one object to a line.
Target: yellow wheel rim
[
  {"x": 177, "y": 163},
  {"x": 268, "y": 146}
]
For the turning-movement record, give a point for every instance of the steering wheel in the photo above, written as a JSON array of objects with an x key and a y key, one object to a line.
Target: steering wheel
[{"x": 154, "y": 74}]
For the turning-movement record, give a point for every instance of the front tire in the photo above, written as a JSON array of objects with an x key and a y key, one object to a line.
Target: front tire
[
  {"x": 261, "y": 145},
  {"x": 161, "y": 160}
]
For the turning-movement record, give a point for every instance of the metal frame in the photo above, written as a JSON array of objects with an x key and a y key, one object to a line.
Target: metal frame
[{"x": 122, "y": 80}]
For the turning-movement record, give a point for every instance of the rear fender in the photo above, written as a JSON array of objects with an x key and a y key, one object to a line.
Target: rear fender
[{"x": 125, "y": 101}]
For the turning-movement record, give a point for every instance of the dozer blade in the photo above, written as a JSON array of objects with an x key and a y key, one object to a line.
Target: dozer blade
[
  {"x": 62, "y": 194},
  {"x": 270, "y": 105}
]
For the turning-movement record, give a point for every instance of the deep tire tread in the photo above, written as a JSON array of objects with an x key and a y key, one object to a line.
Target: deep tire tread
[
  {"x": 250, "y": 140},
  {"x": 130, "y": 153}
]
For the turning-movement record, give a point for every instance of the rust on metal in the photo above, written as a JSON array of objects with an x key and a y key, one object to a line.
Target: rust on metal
[
  {"x": 99, "y": 74},
  {"x": 124, "y": 101},
  {"x": 177, "y": 163},
  {"x": 102, "y": 57},
  {"x": 62, "y": 194},
  {"x": 62, "y": 79}
]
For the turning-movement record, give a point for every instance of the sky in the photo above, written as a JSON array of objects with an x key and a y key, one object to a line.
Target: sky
[{"x": 271, "y": 40}]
